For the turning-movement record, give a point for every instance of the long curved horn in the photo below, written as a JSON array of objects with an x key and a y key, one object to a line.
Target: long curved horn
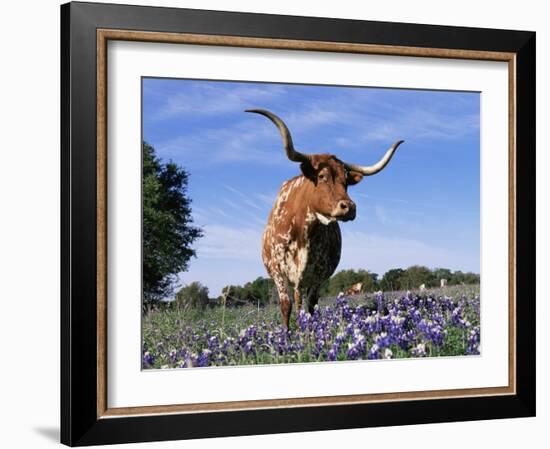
[
  {"x": 292, "y": 154},
  {"x": 373, "y": 169}
]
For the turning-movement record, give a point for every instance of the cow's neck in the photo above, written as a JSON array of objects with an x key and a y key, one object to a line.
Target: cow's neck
[{"x": 300, "y": 210}]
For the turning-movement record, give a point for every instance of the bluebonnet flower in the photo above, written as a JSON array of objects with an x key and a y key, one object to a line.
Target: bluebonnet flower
[
  {"x": 148, "y": 359},
  {"x": 473, "y": 341},
  {"x": 172, "y": 355},
  {"x": 382, "y": 340},
  {"x": 248, "y": 347},
  {"x": 374, "y": 352},
  {"x": 379, "y": 301},
  {"x": 419, "y": 350},
  {"x": 204, "y": 357},
  {"x": 353, "y": 351},
  {"x": 213, "y": 343}
]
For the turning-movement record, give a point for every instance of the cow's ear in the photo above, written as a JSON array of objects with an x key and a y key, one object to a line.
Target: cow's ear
[
  {"x": 353, "y": 178},
  {"x": 309, "y": 171}
]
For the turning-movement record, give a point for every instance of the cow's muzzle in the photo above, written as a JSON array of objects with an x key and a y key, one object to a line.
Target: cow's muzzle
[{"x": 345, "y": 210}]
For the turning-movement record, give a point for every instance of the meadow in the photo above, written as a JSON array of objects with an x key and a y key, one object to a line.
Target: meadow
[{"x": 393, "y": 325}]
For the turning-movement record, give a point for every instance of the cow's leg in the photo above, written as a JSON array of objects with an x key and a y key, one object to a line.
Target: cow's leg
[
  {"x": 312, "y": 299},
  {"x": 297, "y": 301},
  {"x": 286, "y": 309},
  {"x": 284, "y": 300}
]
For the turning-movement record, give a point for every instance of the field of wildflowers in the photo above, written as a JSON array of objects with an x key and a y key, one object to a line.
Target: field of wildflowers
[{"x": 390, "y": 326}]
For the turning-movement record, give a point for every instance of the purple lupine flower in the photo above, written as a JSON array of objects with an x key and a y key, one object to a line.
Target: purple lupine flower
[
  {"x": 352, "y": 352},
  {"x": 303, "y": 320},
  {"x": 473, "y": 341},
  {"x": 382, "y": 340},
  {"x": 213, "y": 343},
  {"x": 406, "y": 339},
  {"x": 374, "y": 352},
  {"x": 379, "y": 301},
  {"x": 248, "y": 347},
  {"x": 148, "y": 359},
  {"x": 419, "y": 350},
  {"x": 204, "y": 358},
  {"x": 172, "y": 355}
]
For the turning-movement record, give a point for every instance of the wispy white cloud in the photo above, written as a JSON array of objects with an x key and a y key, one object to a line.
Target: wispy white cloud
[
  {"x": 243, "y": 141},
  {"x": 420, "y": 124},
  {"x": 246, "y": 198},
  {"x": 236, "y": 244},
  {"x": 212, "y": 99},
  {"x": 266, "y": 198},
  {"x": 382, "y": 215},
  {"x": 350, "y": 119},
  {"x": 379, "y": 254}
]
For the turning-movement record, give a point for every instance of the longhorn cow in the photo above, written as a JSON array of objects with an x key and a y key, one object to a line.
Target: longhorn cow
[{"x": 302, "y": 241}]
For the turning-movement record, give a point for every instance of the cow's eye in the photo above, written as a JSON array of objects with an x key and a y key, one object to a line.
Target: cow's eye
[{"x": 321, "y": 177}]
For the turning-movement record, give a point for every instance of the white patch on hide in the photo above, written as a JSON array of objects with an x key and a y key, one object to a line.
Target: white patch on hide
[{"x": 324, "y": 220}]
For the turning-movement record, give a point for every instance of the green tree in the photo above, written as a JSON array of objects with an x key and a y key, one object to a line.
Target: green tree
[
  {"x": 193, "y": 295},
  {"x": 471, "y": 278},
  {"x": 442, "y": 273},
  {"x": 459, "y": 277},
  {"x": 391, "y": 281},
  {"x": 344, "y": 279},
  {"x": 260, "y": 289},
  {"x": 168, "y": 230},
  {"x": 415, "y": 276}
]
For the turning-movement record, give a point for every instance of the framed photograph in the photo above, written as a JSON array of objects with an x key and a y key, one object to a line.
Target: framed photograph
[{"x": 282, "y": 224}]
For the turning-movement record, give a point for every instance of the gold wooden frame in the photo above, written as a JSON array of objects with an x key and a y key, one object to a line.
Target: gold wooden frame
[{"x": 104, "y": 35}]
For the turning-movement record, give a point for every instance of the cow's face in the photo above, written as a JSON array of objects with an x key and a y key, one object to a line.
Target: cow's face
[{"x": 330, "y": 179}]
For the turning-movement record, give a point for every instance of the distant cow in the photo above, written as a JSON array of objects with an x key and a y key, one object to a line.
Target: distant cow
[
  {"x": 443, "y": 283},
  {"x": 355, "y": 289},
  {"x": 302, "y": 241},
  {"x": 422, "y": 287}
]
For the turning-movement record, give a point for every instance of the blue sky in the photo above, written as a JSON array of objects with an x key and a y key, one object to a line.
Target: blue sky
[{"x": 422, "y": 209}]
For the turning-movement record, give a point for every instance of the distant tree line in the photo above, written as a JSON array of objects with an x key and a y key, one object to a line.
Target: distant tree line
[
  {"x": 416, "y": 275},
  {"x": 262, "y": 290},
  {"x": 259, "y": 292},
  {"x": 344, "y": 279}
]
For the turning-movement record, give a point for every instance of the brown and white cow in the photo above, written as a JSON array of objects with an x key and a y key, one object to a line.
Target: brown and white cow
[
  {"x": 302, "y": 241},
  {"x": 355, "y": 289}
]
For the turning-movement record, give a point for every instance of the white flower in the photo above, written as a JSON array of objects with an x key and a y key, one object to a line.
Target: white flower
[
  {"x": 420, "y": 350},
  {"x": 388, "y": 354},
  {"x": 397, "y": 319}
]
